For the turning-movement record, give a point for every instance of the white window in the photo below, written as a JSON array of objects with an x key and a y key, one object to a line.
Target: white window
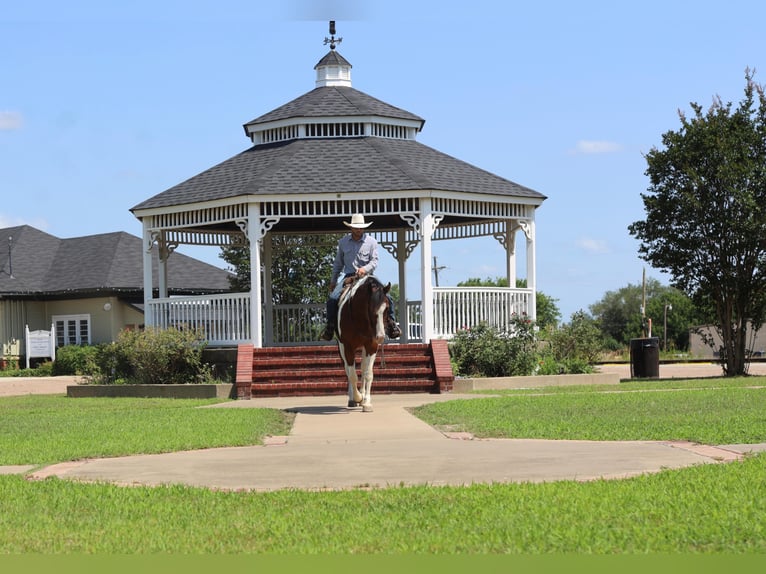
[{"x": 72, "y": 329}]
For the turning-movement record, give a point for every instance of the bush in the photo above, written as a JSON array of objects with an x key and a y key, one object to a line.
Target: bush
[
  {"x": 486, "y": 352},
  {"x": 578, "y": 342},
  {"x": 76, "y": 360},
  {"x": 154, "y": 356}
]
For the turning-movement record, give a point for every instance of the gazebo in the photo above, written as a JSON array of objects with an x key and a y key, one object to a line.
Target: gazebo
[{"x": 314, "y": 162}]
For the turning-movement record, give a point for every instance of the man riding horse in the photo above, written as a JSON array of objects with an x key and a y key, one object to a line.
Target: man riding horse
[{"x": 357, "y": 256}]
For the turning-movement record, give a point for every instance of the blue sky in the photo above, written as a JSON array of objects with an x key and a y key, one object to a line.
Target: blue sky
[{"x": 103, "y": 105}]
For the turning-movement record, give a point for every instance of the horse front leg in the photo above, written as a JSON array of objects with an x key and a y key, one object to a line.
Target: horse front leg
[
  {"x": 367, "y": 363},
  {"x": 354, "y": 396}
]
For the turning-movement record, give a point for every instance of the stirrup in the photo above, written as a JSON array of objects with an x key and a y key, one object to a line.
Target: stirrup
[{"x": 393, "y": 331}]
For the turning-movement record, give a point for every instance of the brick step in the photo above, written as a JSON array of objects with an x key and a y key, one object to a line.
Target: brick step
[
  {"x": 332, "y": 349},
  {"x": 318, "y": 369},
  {"x": 331, "y": 361},
  {"x": 306, "y": 376},
  {"x": 289, "y": 389}
]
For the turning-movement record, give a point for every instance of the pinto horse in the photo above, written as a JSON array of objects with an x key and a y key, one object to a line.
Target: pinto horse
[{"x": 362, "y": 314}]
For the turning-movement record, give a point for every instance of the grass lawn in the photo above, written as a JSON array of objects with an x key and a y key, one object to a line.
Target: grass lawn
[{"x": 702, "y": 509}]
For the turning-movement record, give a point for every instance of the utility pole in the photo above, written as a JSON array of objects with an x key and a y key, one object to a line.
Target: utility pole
[
  {"x": 436, "y": 270},
  {"x": 10, "y": 257}
]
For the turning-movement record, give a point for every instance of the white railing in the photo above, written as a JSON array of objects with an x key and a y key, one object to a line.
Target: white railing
[
  {"x": 225, "y": 319},
  {"x": 297, "y": 324},
  {"x": 458, "y": 308}
]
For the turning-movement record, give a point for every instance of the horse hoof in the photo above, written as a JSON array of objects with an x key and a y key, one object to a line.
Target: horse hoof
[
  {"x": 353, "y": 404},
  {"x": 366, "y": 408}
]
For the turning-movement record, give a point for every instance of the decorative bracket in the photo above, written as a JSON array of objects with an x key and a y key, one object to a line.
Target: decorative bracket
[
  {"x": 264, "y": 226},
  {"x": 413, "y": 219}
]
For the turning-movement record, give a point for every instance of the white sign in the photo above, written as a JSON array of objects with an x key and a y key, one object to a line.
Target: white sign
[{"x": 40, "y": 343}]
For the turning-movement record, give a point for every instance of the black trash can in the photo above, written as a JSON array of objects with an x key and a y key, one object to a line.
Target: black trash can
[{"x": 645, "y": 358}]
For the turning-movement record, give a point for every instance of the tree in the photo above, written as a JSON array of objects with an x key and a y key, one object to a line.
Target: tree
[
  {"x": 619, "y": 313},
  {"x": 548, "y": 313},
  {"x": 300, "y": 272},
  {"x": 706, "y": 215}
]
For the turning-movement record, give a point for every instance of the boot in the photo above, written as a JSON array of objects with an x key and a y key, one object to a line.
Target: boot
[
  {"x": 332, "y": 319},
  {"x": 392, "y": 330},
  {"x": 392, "y": 327}
]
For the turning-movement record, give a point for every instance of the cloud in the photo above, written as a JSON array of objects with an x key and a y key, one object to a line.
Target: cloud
[
  {"x": 590, "y": 147},
  {"x": 10, "y": 121},
  {"x": 592, "y": 245}
]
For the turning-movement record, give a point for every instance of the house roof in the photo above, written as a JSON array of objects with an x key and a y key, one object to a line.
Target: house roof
[
  {"x": 339, "y": 165},
  {"x": 44, "y": 265}
]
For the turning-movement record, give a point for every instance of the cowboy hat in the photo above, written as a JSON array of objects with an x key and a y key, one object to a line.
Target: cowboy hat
[{"x": 357, "y": 221}]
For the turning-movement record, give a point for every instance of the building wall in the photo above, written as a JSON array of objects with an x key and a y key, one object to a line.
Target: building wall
[
  {"x": 108, "y": 316},
  {"x": 698, "y": 348}
]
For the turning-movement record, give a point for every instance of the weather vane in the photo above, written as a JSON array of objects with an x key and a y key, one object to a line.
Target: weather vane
[{"x": 332, "y": 40}]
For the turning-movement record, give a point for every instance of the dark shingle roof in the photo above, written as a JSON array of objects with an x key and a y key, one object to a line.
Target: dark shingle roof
[
  {"x": 334, "y": 101},
  {"x": 109, "y": 262},
  {"x": 333, "y": 58},
  {"x": 342, "y": 165}
]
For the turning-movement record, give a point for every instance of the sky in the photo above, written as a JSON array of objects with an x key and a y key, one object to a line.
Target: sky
[{"x": 105, "y": 104}]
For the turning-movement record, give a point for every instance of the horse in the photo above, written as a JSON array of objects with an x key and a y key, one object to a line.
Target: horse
[{"x": 362, "y": 314}]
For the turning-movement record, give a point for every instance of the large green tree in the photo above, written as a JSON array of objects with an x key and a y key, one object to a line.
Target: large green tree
[
  {"x": 300, "y": 271},
  {"x": 619, "y": 313},
  {"x": 706, "y": 215}
]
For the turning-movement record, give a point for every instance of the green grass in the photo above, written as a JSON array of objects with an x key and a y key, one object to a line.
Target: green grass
[
  {"x": 43, "y": 429},
  {"x": 728, "y": 415},
  {"x": 703, "y": 509},
  {"x": 713, "y": 508}
]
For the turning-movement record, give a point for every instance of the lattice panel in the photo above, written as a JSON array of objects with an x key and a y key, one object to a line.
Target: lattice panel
[
  {"x": 341, "y": 207},
  {"x": 198, "y": 217},
  {"x": 470, "y": 208},
  {"x": 204, "y": 238}
]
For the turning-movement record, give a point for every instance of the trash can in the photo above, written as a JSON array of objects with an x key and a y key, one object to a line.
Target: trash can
[{"x": 645, "y": 358}]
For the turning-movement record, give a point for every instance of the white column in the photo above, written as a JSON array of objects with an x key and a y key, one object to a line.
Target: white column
[
  {"x": 510, "y": 252},
  {"x": 426, "y": 230},
  {"x": 531, "y": 268},
  {"x": 162, "y": 270},
  {"x": 401, "y": 259},
  {"x": 254, "y": 240},
  {"x": 268, "y": 303},
  {"x": 147, "y": 260}
]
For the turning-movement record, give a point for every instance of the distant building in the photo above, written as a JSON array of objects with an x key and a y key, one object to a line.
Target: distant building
[
  {"x": 698, "y": 347},
  {"x": 90, "y": 288}
]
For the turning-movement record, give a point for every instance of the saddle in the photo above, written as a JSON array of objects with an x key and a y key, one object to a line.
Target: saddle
[{"x": 347, "y": 283}]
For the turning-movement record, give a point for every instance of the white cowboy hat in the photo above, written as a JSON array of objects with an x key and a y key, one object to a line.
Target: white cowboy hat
[{"x": 357, "y": 221}]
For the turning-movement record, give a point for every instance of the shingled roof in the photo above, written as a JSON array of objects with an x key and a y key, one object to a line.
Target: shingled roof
[
  {"x": 332, "y": 101},
  {"x": 46, "y": 266},
  {"x": 315, "y": 144},
  {"x": 347, "y": 165}
]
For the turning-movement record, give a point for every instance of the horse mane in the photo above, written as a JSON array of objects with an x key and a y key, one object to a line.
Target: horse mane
[{"x": 376, "y": 288}]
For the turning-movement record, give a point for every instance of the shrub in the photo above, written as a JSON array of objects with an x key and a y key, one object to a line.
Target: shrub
[
  {"x": 157, "y": 356},
  {"x": 578, "y": 342},
  {"x": 44, "y": 369},
  {"x": 485, "y": 351},
  {"x": 76, "y": 360}
]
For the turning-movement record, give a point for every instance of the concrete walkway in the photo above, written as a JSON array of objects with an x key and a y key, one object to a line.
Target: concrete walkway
[{"x": 332, "y": 447}]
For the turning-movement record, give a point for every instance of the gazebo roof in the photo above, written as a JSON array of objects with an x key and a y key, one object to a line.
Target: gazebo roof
[
  {"x": 335, "y": 142},
  {"x": 334, "y": 101},
  {"x": 343, "y": 165}
]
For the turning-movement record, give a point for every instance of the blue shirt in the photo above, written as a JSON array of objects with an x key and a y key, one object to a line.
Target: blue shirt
[{"x": 353, "y": 255}]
